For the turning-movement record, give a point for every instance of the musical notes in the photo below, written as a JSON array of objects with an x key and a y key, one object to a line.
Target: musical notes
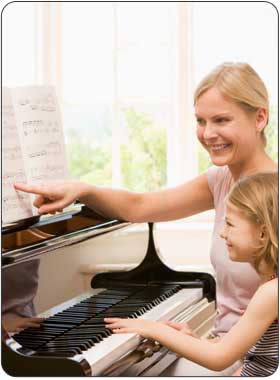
[
  {"x": 11, "y": 153},
  {"x": 40, "y": 127},
  {"x": 47, "y": 171},
  {"x": 42, "y": 101},
  {"x": 33, "y": 145}
]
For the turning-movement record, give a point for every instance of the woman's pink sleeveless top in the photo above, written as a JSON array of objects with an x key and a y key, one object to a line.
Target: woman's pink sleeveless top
[{"x": 236, "y": 282}]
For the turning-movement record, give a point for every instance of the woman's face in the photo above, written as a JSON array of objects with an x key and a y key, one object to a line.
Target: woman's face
[
  {"x": 226, "y": 131},
  {"x": 242, "y": 237}
]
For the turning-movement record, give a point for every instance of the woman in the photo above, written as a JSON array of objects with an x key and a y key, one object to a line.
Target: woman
[{"x": 231, "y": 108}]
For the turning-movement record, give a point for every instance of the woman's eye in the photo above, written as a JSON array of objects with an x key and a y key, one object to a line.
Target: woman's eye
[
  {"x": 200, "y": 122},
  {"x": 221, "y": 120},
  {"x": 229, "y": 224}
]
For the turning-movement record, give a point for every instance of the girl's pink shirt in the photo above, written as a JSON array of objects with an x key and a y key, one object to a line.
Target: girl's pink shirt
[{"x": 236, "y": 282}]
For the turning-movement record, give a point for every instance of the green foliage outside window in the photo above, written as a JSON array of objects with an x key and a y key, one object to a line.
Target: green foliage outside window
[
  {"x": 143, "y": 155},
  {"x": 271, "y": 132},
  {"x": 87, "y": 162},
  {"x": 143, "y": 158}
]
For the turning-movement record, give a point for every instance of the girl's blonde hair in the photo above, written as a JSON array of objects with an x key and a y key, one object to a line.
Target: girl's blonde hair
[
  {"x": 240, "y": 83},
  {"x": 256, "y": 196}
]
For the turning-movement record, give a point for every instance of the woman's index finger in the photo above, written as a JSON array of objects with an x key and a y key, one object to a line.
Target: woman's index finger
[{"x": 34, "y": 189}]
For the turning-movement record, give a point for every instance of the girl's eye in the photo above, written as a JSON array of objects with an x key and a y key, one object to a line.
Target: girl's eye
[
  {"x": 200, "y": 122},
  {"x": 229, "y": 224}
]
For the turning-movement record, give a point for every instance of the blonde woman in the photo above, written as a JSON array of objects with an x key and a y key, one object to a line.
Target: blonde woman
[
  {"x": 231, "y": 108},
  {"x": 251, "y": 236}
]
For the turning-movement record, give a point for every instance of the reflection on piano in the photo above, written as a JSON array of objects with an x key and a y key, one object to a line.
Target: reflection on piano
[{"x": 73, "y": 341}]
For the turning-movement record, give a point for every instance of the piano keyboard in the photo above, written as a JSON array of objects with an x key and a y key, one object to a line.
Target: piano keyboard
[{"x": 80, "y": 329}]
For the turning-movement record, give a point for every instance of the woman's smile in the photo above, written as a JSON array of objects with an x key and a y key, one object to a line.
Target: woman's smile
[{"x": 217, "y": 148}]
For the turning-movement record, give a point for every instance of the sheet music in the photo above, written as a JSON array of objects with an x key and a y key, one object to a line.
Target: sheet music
[
  {"x": 41, "y": 134},
  {"x": 33, "y": 142},
  {"x": 15, "y": 205}
]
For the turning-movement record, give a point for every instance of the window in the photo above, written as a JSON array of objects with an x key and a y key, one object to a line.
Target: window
[{"x": 125, "y": 75}]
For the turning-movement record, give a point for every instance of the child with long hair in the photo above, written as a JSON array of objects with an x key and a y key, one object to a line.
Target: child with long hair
[{"x": 251, "y": 235}]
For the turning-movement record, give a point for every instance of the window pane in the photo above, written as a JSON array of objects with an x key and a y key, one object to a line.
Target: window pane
[
  {"x": 19, "y": 44},
  {"x": 87, "y": 67},
  {"x": 238, "y": 31},
  {"x": 144, "y": 90}
]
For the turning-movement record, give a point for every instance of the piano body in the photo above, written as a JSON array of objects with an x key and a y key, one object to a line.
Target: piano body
[{"x": 73, "y": 341}]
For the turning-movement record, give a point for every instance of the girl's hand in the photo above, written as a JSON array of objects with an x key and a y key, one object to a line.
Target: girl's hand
[
  {"x": 18, "y": 324},
  {"x": 182, "y": 327},
  {"x": 140, "y": 326},
  {"x": 54, "y": 196}
]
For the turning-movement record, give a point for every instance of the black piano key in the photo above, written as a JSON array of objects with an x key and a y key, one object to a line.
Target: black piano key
[
  {"x": 96, "y": 331},
  {"x": 63, "y": 353},
  {"x": 66, "y": 345},
  {"x": 96, "y": 320},
  {"x": 88, "y": 343},
  {"x": 43, "y": 329},
  {"x": 96, "y": 337},
  {"x": 61, "y": 324},
  {"x": 85, "y": 309},
  {"x": 78, "y": 337},
  {"x": 26, "y": 338},
  {"x": 31, "y": 344},
  {"x": 99, "y": 332},
  {"x": 49, "y": 351},
  {"x": 140, "y": 310}
]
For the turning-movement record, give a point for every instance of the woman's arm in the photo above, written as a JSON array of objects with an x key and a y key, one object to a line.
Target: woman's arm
[
  {"x": 260, "y": 313},
  {"x": 174, "y": 203}
]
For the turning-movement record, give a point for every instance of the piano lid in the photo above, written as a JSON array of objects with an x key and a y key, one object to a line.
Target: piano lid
[
  {"x": 36, "y": 220},
  {"x": 32, "y": 237}
]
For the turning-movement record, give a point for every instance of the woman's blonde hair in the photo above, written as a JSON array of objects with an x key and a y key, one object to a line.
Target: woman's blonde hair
[
  {"x": 256, "y": 196},
  {"x": 240, "y": 83}
]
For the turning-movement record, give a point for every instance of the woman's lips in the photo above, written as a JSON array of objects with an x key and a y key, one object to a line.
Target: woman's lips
[{"x": 218, "y": 147}]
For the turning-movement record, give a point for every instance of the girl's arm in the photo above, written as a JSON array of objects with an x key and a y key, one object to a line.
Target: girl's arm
[
  {"x": 259, "y": 315},
  {"x": 174, "y": 203}
]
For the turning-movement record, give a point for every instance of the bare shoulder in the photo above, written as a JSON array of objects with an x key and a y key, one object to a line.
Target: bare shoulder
[
  {"x": 270, "y": 289},
  {"x": 265, "y": 300}
]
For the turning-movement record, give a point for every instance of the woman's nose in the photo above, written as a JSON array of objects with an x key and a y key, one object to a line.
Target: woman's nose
[
  {"x": 210, "y": 131},
  {"x": 223, "y": 233}
]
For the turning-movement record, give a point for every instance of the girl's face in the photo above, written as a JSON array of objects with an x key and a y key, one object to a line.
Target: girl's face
[
  {"x": 241, "y": 235},
  {"x": 225, "y": 130}
]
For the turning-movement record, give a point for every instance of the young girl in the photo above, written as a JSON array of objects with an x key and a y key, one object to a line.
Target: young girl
[{"x": 251, "y": 235}]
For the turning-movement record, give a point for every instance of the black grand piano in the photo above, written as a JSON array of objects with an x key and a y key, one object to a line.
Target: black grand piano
[{"x": 73, "y": 340}]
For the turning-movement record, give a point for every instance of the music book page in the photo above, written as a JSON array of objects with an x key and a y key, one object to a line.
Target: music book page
[{"x": 33, "y": 146}]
